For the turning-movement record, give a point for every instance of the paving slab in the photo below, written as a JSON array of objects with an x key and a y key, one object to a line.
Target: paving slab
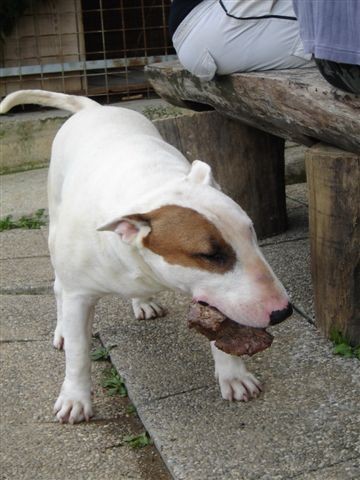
[
  {"x": 34, "y": 445},
  {"x": 291, "y": 263},
  {"x": 26, "y": 275},
  {"x": 297, "y": 213},
  {"x": 340, "y": 471},
  {"x": 37, "y": 372},
  {"x": 143, "y": 347},
  {"x": 23, "y": 193},
  {"x": 298, "y": 228},
  {"x": 201, "y": 439},
  {"x": 22, "y": 243},
  {"x": 89, "y": 452},
  {"x": 307, "y": 418},
  {"x": 298, "y": 193},
  {"x": 28, "y": 380},
  {"x": 27, "y": 317}
]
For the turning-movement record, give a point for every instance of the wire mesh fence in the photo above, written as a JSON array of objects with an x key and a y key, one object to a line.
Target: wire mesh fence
[{"x": 96, "y": 48}]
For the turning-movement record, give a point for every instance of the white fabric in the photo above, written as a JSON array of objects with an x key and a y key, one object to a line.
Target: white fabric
[{"x": 208, "y": 41}]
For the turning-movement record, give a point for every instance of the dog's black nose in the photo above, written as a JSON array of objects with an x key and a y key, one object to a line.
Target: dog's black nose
[{"x": 279, "y": 316}]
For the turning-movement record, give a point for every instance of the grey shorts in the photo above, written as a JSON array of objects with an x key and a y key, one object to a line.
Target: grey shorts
[{"x": 228, "y": 36}]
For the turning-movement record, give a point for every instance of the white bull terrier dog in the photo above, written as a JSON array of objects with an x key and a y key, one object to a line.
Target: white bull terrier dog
[{"x": 130, "y": 215}]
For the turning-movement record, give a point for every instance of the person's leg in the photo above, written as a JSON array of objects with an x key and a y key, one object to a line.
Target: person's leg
[
  {"x": 209, "y": 41},
  {"x": 191, "y": 41},
  {"x": 340, "y": 75},
  {"x": 262, "y": 44}
]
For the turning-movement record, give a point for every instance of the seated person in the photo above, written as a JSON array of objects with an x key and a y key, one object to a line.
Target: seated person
[
  {"x": 330, "y": 30},
  {"x": 226, "y": 36}
]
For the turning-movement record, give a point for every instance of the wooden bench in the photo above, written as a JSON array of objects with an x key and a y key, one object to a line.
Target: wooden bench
[{"x": 243, "y": 139}]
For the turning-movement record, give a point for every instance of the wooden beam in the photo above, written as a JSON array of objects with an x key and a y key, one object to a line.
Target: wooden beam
[
  {"x": 295, "y": 104},
  {"x": 334, "y": 213}
]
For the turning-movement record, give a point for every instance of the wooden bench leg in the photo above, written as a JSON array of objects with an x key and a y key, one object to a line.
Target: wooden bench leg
[
  {"x": 333, "y": 179},
  {"x": 247, "y": 163}
]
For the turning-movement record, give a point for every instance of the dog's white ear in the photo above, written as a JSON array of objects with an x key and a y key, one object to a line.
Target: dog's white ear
[
  {"x": 201, "y": 173},
  {"x": 132, "y": 229}
]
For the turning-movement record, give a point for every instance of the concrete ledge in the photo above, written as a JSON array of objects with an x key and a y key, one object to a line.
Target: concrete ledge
[{"x": 26, "y": 138}]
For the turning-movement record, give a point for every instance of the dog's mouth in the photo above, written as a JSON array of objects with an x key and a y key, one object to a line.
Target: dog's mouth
[
  {"x": 229, "y": 336},
  {"x": 220, "y": 313}
]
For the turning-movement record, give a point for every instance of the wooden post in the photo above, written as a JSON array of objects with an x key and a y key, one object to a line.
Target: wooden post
[
  {"x": 247, "y": 163},
  {"x": 334, "y": 212}
]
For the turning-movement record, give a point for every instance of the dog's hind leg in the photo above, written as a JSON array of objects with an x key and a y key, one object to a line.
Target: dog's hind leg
[
  {"x": 146, "y": 308},
  {"x": 58, "y": 340},
  {"x": 74, "y": 402}
]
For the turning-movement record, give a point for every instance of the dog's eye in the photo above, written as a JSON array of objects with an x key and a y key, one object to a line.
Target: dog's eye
[{"x": 217, "y": 257}]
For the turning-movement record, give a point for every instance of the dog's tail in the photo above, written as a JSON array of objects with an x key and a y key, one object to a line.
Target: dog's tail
[{"x": 72, "y": 103}]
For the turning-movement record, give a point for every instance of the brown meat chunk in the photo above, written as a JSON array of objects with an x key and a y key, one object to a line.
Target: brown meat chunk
[{"x": 229, "y": 336}]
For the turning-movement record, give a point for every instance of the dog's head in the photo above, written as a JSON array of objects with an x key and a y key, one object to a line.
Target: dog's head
[{"x": 199, "y": 241}]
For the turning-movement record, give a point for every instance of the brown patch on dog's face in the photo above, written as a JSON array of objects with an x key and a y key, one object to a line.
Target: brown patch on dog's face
[{"x": 184, "y": 237}]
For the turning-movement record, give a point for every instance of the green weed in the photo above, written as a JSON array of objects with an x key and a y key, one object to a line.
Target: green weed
[
  {"x": 30, "y": 222},
  {"x": 101, "y": 353},
  {"x": 342, "y": 347},
  {"x": 131, "y": 410},
  {"x": 138, "y": 441},
  {"x": 113, "y": 383}
]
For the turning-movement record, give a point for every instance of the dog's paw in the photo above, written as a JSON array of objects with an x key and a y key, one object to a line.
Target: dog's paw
[
  {"x": 73, "y": 405},
  {"x": 146, "y": 309},
  {"x": 236, "y": 382},
  {"x": 242, "y": 387},
  {"x": 58, "y": 340}
]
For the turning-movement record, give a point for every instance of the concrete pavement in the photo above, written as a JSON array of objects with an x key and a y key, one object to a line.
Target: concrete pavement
[
  {"x": 33, "y": 444},
  {"x": 306, "y": 424}
]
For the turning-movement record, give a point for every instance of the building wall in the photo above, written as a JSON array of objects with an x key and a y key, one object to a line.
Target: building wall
[{"x": 91, "y": 47}]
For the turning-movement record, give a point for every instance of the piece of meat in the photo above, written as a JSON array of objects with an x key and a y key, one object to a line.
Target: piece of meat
[{"x": 229, "y": 336}]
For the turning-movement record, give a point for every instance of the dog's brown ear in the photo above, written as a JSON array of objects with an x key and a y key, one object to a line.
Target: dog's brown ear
[{"x": 132, "y": 229}]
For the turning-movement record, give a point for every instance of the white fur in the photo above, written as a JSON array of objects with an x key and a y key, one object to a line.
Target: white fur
[
  {"x": 108, "y": 163},
  {"x": 236, "y": 382}
]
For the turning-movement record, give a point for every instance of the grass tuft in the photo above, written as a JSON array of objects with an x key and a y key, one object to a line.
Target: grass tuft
[
  {"x": 113, "y": 383},
  {"x": 31, "y": 222},
  {"x": 342, "y": 346},
  {"x": 131, "y": 410},
  {"x": 138, "y": 441},
  {"x": 101, "y": 353}
]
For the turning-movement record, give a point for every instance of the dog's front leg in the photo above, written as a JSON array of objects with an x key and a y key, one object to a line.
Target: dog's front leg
[
  {"x": 236, "y": 382},
  {"x": 74, "y": 402},
  {"x": 146, "y": 308}
]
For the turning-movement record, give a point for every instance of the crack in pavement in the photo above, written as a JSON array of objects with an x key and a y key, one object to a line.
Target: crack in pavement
[
  {"x": 290, "y": 240},
  {"x": 297, "y": 475},
  {"x": 26, "y": 257},
  {"x": 45, "y": 290},
  {"x": 22, "y": 340}
]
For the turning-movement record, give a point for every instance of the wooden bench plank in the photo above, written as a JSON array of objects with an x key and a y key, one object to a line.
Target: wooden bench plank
[{"x": 295, "y": 104}]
